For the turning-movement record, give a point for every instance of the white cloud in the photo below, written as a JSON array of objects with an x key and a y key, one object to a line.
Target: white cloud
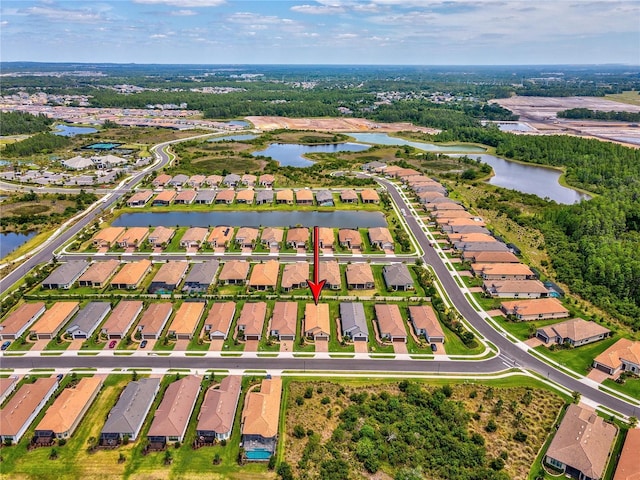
[
  {"x": 183, "y": 3},
  {"x": 65, "y": 15},
  {"x": 318, "y": 9},
  {"x": 183, "y": 13},
  {"x": 158, "y": 35}
]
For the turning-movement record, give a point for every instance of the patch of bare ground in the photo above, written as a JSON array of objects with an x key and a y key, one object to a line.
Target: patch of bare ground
[{"x": 332, "y": 124}]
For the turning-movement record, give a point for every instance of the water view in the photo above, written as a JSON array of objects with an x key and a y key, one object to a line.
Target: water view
[
  {"x": 291, "y": 155},
  {"x": 385, "y": 139},
  {"x": 10, "y": 241},
  {"x": 71, "y": 131},
  {"x": 335, "y": 219},
  {"x": 514, "y": 127},
  {"x": 236, "y": 138}
]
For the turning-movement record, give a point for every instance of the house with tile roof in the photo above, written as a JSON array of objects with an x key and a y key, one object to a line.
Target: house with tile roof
[
  {"x": 295, "y": 275},
  {"x": 234, "y": 272},
  {"x": 316, "y": 321},
  {"x": 284, "y": 321},
  {"x": 574, "y": 332},
  {"x": 251, "y": 320},
  {"x": 17, "y": 322},
  {"x": 264, "y": 275},
  {"x": 218, "y": 410},
  {"x": 99, "y": 273},
  {"x": 390, "y": 323},
  {"x": 218, "y": 321},
  {"x": 359, "y": 276},
  {"x": 425, "y": 322},
  {"x": 624, "y": 355},
  {"x": 260, "y": 420}
]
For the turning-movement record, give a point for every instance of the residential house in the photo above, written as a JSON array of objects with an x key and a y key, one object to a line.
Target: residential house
[
  {"x": 264, "y": 276},
  {"x": 205, "y": 197},
  {"x": 65, "y": 275},
  {"x": 245, "y": 196},
  {"x": 622, "y": 356},
  {"x": 161, "y": 180},
  {"x": 186, "y": 197},
  {"x": 218, "y": 321},
  {"x": 133, "y": 237},
  {"x": 140, "y": 199},
  {"x": 267, "y": 180},
  {"x": 264, "y": 197},
  {"x": 316, "y": 321},
  {"x": 297, "y": 237},
  {"x": 246, "y": 237},
  {"x": 154, "y": 319},
  {"x": 201, "y": 276},
  {"x": 171, "y": 418},
  {"x": 24, "y": 407},
  {"x": 426, "y": 196},
  {"x": 106, "y": 238},
  {"x": 628, "y": 466},
  {"x": 349, "y": 238},
  {"x": 194, "y": 237},
  {"x": 503, "y": 271},
  {"x": 374, "y": 166},
  {"x": 184, "y": 324},
  {"x": 456, "y": 238},
  {"x": 581, "y": 446},
  {"x": 179, "y": 180},
  {"x": 131, "y": 275},
  {"x": 575, "y": 332},
  {"x": 445, "y": 204},
  {"x": 272, "y": 237},
  {"x": 161, "y": 236},
  {"x": 78, "y": 163},
  {"x": 369, "y": 195},
  {"x": 121, "y": 319},
  {"x": 164, "y": 198},
  {"x": 127, "y": 416},
  {"x": 66, "y": 412},
  {"x": 87, "y": 320},
  {"x": 324, "y": 198},
  {"x": 7, "y": 386},
  {"x": 484, "y": 257},
  {"x": 295, "y": 275},
  {"x": 445, "y": 222},
  {"x": 448, "y": 214},
  {"x": 540, "y": 309},
  {"x": 304, "y": 197},
  {"x": 225, "y": 196},
  {"x": 196, "y": 181},
  {"x": 515, "y": 288},
  {"x": 231, "y": 180},
  {"x": 48, "y": 326},
  {"x": 218, "y": 410},
  {"x": 284, "y": 196},
  {"x": 169, "y": 276},
  {"x": 234, "y": 272},
  {"x": 20, "y": 319},
  {"x": 284, "y": 321},
  {"x": 220, "y": 236},
  {"x": 348, "y": 196},
  {"x": 464, "y": 229},
  {"x": 425, "y": 322},
  {"x": 249, "y": 180},
  {"x": 397, "y": 277},
  {"x": 330, "y": 271},
  {"x": 213, "y": 180},
  {"x": 390, "y": 323},
  {"x": 353, "y": 322},
  {"x": 98, "y": 274},
  {"x": 359, "y": 276},
  {"x": 260, "y": 420},
  {"x": 251, "y": 320},
  {"x": 326, "y": 237}
]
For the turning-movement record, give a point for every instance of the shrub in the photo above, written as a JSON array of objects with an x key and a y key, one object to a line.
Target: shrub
[
  {"x": 325, "y": 400},
  {"x": 520, "y": 437},
  {"x": 298, "y": 431},
  {"x": 491, "y": 426}
]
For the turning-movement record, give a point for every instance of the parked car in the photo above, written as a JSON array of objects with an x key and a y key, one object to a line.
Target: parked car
[
  {"x": 143, "y": 343},
  {"x": 112, "y": 344},
  {"x": 60, "y": 376},
  {"x": 434, "y": 347},
  {"x": 5, "y": 345}
]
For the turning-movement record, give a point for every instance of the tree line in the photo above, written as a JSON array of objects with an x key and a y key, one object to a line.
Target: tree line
[
  {"x": 587, "y": 114},
  {"x": 18, "y": 123}
]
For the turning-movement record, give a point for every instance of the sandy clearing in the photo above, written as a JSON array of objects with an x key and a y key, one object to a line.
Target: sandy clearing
[{"x": 332, "y": 124}]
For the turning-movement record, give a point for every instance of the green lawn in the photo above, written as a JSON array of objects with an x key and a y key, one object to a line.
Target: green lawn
[
  {"x": 578, "y": 359},
  {"x": 630, "y": 387},
  {"x": 522, "y": 330}
]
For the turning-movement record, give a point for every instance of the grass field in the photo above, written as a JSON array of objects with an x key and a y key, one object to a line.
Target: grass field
[
  {"x": 578, "y": 359},
  {"x": 630, "y": 97}
]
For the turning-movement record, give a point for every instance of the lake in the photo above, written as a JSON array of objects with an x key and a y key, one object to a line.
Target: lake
[
  {"x": 236, "y": 138},
  {"x": 70, "y": 131},
  {"x": 10, "y": 241},
  {"x": 384, "y": 139},
  {"x": 540, "y": 181},
  {"x": 513, "y": 127},
  {"x": 291, "y": 154},
  {"x": 335, "y": 219}
]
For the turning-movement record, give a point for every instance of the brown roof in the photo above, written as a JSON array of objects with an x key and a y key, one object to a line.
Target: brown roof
[
  {"x": 295, "y": 274},
  {"x": 133, "y": 235},
  {"x": 392, "y": 169},
  {"x": 171, "y": 272},
  {"x": 213, "y": 179},
  {"x": 108, "y": 235},
  {"x": 172, "y": 415},
  {"x": 622, "y": 349},
  {"x": 220, "y": 316},
  {"x": 248, "y": 178},
  {"x": 247, "y": 235},
  {"x": 142, "y": 196},
  {"x": 539, "y": 306},
  {"x": 406, "y": 172},
  {"x": 424, "y": 318},
  {"x": 491, "y": 257},
  {"x": 515, "y": 286},
  {"x": 267, "y": 178},
  {"x": 132, "y": 273},
  {"x": 186, "y": 196},
  {"x": 52, "y": 319},
  {"x": 161, "y": 235},
  {"x": 100, "y": 272},
  {"x": 234, "y": 270},
  {"x": 576, "y": 329},
  {"x": 502, "y": 269},
  {"x": 628, "y": 465},
  {"x": 348, "y": 195},
  {"x": 162, "y": 179},
  {"x": 165, "y": 196},
  {"x": 297, "y": 234},
  {"x": 245, "y": 195},
  {"x": 219, "y": 236},
  {"x": 265, "y": 274},
  {"x": 284, "y": 195},
  {"x": 583, "y": 441},
  {"x": 389, "y": 320},
  {"x": 272, "y": 234},
  {"x": 70, "y": 405},
  {"x": 154, "y": 318},
  {"x": 471, "y": 237},
  {"x": 451, "y": 214},
  {"x": 226, "y": 195},
  {"x": 304, "y": 195},
  {"x": 358, "y": 273},
  {"x": 195, "y": 234},
  {"x": 20, "y": 317},
  {"x": 187, "y": 317},
  {"x": 380, "y": 235},
  {"x": 262, "y": 409},
  {"x": 197, "y": 179},
  {"x": 346, "y": 234},
  {"x": 316, "y": 319},
  {"x": 285, "y": 318},
  {"x": 252, "y": 317},
  {"x": 429, "y": 195},
  {"x": 122, "y": 316},
  {"x": 219, "y": 406},
  {"x": 370, "y": 195},
  {"x": 461, "y": 221},
  {"x": 326, "y": 235},
  {"x": 330, "y": 271},
  {"x": 22, "y": 405}
]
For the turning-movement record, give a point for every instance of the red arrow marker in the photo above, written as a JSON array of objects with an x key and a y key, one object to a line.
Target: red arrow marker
[{"x": 315, "y": 285}]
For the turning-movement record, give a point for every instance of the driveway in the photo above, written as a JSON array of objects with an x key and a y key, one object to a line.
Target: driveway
[
  {"x": 361, "y": 347},
  {"x": 598, "y": 375},
  {"x": 251, "y": 345},
  {"x": 322, "y": 346},
  {"x": 286, "y": 345},
  {"x": 216, "y": 345},
  {"x": 400, "y": 347},
  {"x": 181, "y": 344}
]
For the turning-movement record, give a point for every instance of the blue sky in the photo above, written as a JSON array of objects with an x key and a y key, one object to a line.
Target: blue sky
[{"x": 422, "y": 32}]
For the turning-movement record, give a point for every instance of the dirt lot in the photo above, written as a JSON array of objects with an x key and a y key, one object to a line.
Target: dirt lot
[{"x": 333, "y": 124}]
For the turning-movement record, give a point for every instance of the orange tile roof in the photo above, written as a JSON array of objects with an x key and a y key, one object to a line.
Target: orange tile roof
[
  {"x": 298, "y": 235},
  {"x": 622, "y": 349},
  {"x": 262, "y": 409},
  {"x": 502, "y": 269},
  {"x": 471, "y": 237},
  {"x": 22, "y": 405},
  {"x": 304, "y": 195},
  {"x": 161, "y": 235},
  {"x": 122, "y": 316},
  {"x": 295, "y": 274},
  {"x": 540, "y": 306},
  {"x": 234, "y": 270},
  {"x": 265, "y": 274},
  {"x": 218, "y": 409},
  {"x": 220, "y": 316},
  {"x": 172, "y": 415},
  {"x": 515, "y": 286},
  {"x": 219, "y": 236},
  {"x": 359, "y": 273},
  {"x": 143, "y": 196},
  {"x": 187, "y": 318},
  {"x": 52, "y": 319},
  {"x": 108, "y": 235},
  {"x": 16, "y": 320},
  {"x": 165, "y": 196},
  {"x": 491, "y": 257},
  {"x": 132, "y": 273},
  {"x": 133, "y": 236},
  {"x": 100, "y": 272},
  {"x": 252, "y": 317},
  {"x": 326, "y": 236},
  {"x": 187, "y": 196},
  {"x": 285, "y": 318},
  {"x": 330, "y": 271},
  {"x": 628, "y": 466},
  {"x": 348, "y": 194},
  {"x": 369, "y": 195},
  {"x": 171, "y": 272},
  {"x": 380, "y": 235},
  {"x": 284, "y": 195},
  {"x": 389, "y": 320},
  {"x": 267, "y": 178},
  {"x": 272, "y": 234},
  {"x": 247, "y": 235},
  {"x": 348, "y": 234},
  {"x": 194, "y": 234},
  {"x": 162, "y": 179},
  {"x": 245, "y": 195},
  {"x": 226, "y": 195},
  {"x": 316, "y": 319},
  {"x": 424, "y": 318},
  {"x": 154, "y": 318}
]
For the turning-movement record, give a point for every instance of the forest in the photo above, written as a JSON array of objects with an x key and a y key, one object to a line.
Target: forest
[
  {"x": 38, "y": 144},
  {"x": 19, "y": 123},
  {"x": 587, "y": 114}
]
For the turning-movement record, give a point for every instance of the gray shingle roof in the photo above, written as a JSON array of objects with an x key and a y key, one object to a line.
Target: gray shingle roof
[
  {"x": 128, "y": 414},
  {"x": 66, "y": 273},
  {"x": 89, "y": 317},
  {"x": 353, "y": 320},
  {"x": 264, "y": 196},
  {"x": 397, "y": 274},
  {"x": 203, "y": 273}
]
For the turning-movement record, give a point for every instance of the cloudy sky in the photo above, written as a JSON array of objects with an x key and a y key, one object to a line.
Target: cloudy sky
[{"x": 425, "y": 32}]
